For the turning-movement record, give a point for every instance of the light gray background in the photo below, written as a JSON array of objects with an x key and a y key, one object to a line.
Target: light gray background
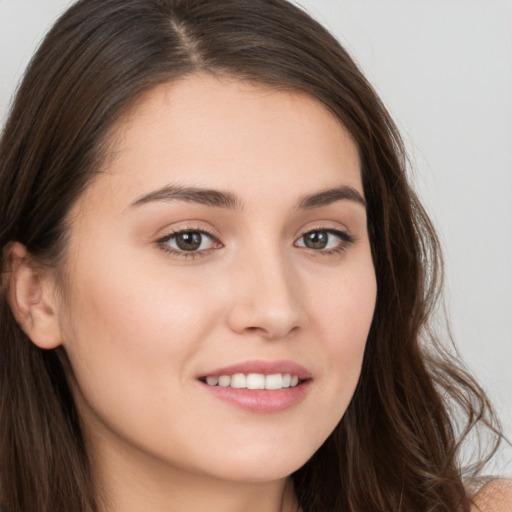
[{"x": 444, "y": 70}]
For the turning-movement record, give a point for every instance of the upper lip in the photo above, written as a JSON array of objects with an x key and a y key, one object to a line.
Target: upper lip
[{"x": 264, "y": 367}]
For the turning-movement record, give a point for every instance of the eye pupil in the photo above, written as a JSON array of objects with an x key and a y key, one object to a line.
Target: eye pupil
[
  {"x": 189, "y": 241},
  {"x": 316, "y": 240}
]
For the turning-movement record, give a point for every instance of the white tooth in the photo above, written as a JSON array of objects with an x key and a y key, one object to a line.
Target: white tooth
[
  {"x": 294, "y": 381},
  {"x": 224, "y": 381},
  {"x": 212, "y": 381},
  {"x": 274, "y": 381},
  {"x": 238, "y": 380},
  {"x": 287, "y": 380},
  {"x": 255, "y": 381}
]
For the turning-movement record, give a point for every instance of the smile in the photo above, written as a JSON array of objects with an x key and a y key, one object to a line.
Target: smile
[
  {"x": 259, "y": 386},
  {"x": 254, "y": 381}
]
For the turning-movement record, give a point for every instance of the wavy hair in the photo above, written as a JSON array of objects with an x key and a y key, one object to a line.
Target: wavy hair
[{"x": 396, "y": 447}]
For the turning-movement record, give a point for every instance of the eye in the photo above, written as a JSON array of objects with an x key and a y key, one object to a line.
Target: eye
[
  {"x": 188, "y": 241},
  {"x": 327, "y": 240}
]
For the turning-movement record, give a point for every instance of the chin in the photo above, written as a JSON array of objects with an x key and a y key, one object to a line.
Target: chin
[
  {"x": 258, "y": 467},
  {"x": 260, "y": 473}
]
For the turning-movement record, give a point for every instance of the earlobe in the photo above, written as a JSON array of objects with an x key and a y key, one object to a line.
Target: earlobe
[{"x": 32, "y": 298}]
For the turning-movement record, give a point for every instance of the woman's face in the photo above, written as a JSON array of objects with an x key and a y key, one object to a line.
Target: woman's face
[{"x": 224, "y": 245}]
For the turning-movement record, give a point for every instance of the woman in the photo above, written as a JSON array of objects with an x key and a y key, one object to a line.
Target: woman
[{"x": 216, "y": 279}]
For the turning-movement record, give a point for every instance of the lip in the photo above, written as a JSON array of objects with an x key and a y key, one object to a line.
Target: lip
[
  {"x": 264, "y": 367},
  {"x": 261, "y": 400}
]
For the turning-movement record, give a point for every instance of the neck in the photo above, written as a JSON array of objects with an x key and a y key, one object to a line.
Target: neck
[{"x": 184, "y": 492}]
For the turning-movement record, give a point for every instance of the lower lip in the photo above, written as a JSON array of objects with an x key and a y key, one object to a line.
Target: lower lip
[{"x": 261, "y": 400}]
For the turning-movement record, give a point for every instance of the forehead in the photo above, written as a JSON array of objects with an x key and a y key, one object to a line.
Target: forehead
[{"x": 205, "y": 130}]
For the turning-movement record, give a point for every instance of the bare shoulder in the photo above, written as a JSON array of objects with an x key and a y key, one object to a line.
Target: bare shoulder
[{"x": 495, "y": 496}]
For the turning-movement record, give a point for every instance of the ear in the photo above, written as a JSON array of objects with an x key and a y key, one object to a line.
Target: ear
[{"x": 32, "y": 298}]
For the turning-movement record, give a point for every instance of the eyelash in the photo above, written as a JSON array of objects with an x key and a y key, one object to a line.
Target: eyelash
[
  {"x": 163, "y": 243},
  {"x": 346, "y": 240}
]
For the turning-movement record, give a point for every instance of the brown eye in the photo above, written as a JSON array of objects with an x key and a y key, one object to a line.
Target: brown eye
[
  {"x": 325, "y": 240},
  {"x": 189, "y": 241},
  {"x": 182, "y": 242},
  {"x": 316, "y": 239}
]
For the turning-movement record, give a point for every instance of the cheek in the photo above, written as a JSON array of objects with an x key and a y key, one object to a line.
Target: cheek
[
  {"x": 127, "y": 300},
  {"x": 128, "y": 322},
  {"x": 344, "y": 315},
  {"x": 345, "y": 305},
  {"x": 131, "y": 342}
]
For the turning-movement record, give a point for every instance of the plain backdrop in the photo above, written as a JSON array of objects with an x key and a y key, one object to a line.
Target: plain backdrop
[{"x": 443, "y": 68}]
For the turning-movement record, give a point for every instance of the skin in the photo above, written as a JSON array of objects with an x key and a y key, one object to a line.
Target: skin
[
  {"x": 140, "y": 324},
  {"x": 139, "y": 333},
  {"x": 496, "y": 496}
]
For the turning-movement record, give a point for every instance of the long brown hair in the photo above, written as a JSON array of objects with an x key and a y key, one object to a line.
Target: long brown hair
[{"x": 396, "y": 447}]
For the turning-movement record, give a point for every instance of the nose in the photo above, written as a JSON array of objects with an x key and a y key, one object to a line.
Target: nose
[{"x": 266, "y": 298}]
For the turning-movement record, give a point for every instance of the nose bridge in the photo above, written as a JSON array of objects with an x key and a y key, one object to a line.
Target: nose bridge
[{"x": 266, "y": 298}]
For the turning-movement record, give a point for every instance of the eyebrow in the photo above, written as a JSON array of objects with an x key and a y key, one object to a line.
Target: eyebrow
[
  {"x": 331, "y": 195},
  {"x": 204, "y": 196},
  {"x": 221, "y": 199}
]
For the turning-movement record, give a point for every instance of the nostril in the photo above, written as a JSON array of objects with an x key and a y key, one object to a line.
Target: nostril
[{"x": 269, "y": 317}]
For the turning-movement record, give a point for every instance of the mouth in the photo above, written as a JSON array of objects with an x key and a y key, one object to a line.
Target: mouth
[
  {"x": 259, "y": 386},
  {"x": 254, "y": 381}
]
